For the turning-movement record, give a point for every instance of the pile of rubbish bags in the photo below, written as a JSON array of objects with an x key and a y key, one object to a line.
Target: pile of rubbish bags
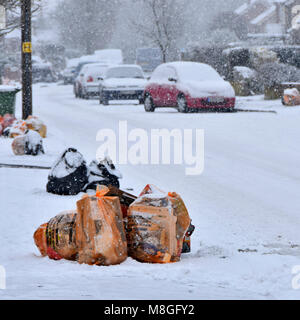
[
  {"x": 71, "y": 175},
  {"x": 111, "y": 225},
  {"x": 27, "y": 134},
  {"x": 11, "y": 127},
  {"x": 291, "y": 97}
]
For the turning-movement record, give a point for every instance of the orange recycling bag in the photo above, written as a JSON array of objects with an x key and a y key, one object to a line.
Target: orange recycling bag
[
  {"x": 34, "y": 123},
  {"x": 126, "y": 199},
  {"x": 18, "y": 145},
  {"x": 56, "y": 238},
  {"x": 291, "y": 97},
  {"x": 156, "y": 225},
  {"x": 100, "y": 234}
]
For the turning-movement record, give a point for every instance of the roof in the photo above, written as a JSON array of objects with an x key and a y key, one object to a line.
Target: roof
[
  {"x": 266, "y": 14},
  {"x": 246, "y": 6}
]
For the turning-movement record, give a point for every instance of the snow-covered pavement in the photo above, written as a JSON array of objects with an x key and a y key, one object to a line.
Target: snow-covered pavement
[{"x": 246, "y": 205}]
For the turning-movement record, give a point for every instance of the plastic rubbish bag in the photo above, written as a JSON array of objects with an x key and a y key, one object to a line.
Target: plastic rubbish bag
[
  {"x": 291, "y": 98},
  {"x": 95, "y": 235},
  {"x": 103, "y": 173},
  {"x": 156, "y": 225},
  {"x": 33, "y": 143},
  {"x": 126, "y": 199},
  {"x": 6, "y": 121},
  {"x": 34, "y": 123},
  {"x": 100, "y": 231},
  {"x": 17, "y": 128},
  {"x": 57, "y": 238},
  {"x": 69, "y": 174},
  {"x": 18, "y": 145},
  {"x": 30, "y": 143}
]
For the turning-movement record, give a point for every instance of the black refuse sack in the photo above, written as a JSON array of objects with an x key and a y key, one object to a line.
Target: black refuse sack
[
  {"x": 69, "y": 174},
  {"x": 33, "y": 143},
  {"x": 103, "y": 173}
]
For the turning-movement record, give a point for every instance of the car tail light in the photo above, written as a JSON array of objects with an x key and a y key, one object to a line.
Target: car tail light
[{"x": 90, "y": 79}]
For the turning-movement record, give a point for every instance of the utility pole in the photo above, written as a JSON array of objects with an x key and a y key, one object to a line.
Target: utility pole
[{"x": 26, "y": 59}]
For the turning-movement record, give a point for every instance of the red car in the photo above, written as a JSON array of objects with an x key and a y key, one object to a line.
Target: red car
[{"x": 188, "y": 86}]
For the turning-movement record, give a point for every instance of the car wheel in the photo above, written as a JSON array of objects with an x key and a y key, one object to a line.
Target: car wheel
[
  {"x": 149, "y": 104},
  {"x": 182, "y": 104},
  {"x": 102, "y": 99},
  {"x": 75, "y": 92}
]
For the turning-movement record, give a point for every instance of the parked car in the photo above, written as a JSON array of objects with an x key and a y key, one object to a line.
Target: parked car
[
  {"x": 123, "y": 82},
  {"x": 68, "y": 75},
  {"x": 148, "y": 58},
  {"x": 42, "y": 73},
  {"x": 79, "y": 77},
  {"x": 89, "y": 79},
  {"x": 187, "y": 86}
]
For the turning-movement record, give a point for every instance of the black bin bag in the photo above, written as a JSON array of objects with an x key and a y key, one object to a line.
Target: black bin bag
[
  {"x": 103, "y": 173},
  {"x": 69, "y": 175}
]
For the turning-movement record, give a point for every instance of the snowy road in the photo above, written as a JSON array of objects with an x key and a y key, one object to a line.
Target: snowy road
[{"x": 246, "y": 205}]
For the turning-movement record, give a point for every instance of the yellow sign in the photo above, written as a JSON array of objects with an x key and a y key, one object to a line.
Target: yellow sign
[{"x": 27, "y": 47}]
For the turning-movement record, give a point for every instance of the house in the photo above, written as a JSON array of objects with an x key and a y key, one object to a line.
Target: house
[{"x": 270, "y": 17}]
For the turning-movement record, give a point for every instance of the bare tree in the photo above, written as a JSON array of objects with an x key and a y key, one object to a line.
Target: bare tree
[
  {"x": 86, "y": 25},
  {"x": 161, "y": 23},
  {"x": 13, "y": 14},
  {"x": 228, "y": 20}
]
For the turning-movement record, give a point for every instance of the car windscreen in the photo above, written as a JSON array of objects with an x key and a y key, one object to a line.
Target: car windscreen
[
  {"x": 124, "y": 72},
  {"x": 197, "y": 72}
]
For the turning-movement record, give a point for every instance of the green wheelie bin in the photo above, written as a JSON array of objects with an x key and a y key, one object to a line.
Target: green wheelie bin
[{"x": 8, "y": 99}]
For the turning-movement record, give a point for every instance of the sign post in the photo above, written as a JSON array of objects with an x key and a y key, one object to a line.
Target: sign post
[{"x": 26, "y": 59}]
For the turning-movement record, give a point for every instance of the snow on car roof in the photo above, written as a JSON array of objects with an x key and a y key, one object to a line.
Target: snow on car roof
[
  {"x": 126, "y": 66},
  {"x": 195, "y": 70}
]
